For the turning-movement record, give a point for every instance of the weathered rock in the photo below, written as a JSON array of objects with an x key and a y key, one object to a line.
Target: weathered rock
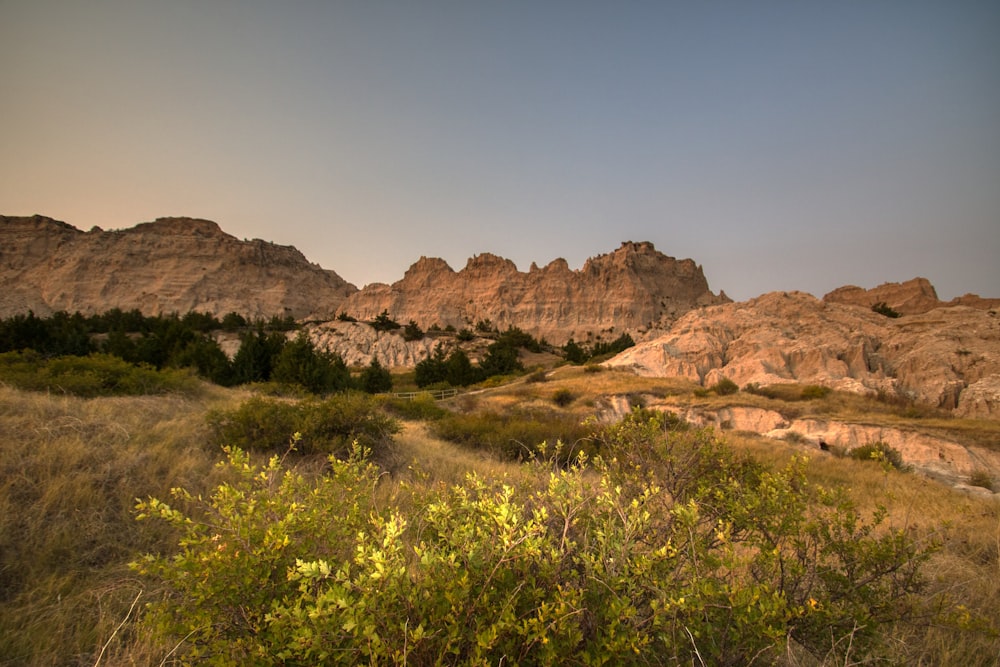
[
  {"x": 631, "y": 289},
  {"x": 359, "y": 343},
  {"x": 783, "y": 337},
  {"x": 170, "y": 265},
  {"x": 907, "y": 298}
]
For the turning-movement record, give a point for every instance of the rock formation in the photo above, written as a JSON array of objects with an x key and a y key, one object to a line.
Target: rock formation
[
  {"x": 631, "y": 289},
  {"x": 935, "y": 456},
  {"x": 947, "y": 357},
  {"x": 170, "y": 265},
  {"x": 908, "y": 298}
]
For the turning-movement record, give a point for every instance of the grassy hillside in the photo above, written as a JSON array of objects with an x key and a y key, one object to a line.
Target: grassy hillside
[{"x": 73, "y": 470}]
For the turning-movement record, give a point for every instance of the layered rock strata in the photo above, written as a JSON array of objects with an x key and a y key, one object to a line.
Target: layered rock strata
[
  {"x": 170, "y": 265},
  {"x": 633, "y": 289},
  {"x": 946, "y": 357}
]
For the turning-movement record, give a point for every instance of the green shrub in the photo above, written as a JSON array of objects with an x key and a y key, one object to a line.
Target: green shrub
[
  {"x": 597, "y": 566},
  {"x": 90, "y": 376},
  {"x": 881, "y": 452},
  {"x": 412, "y": 331},
  {"x": 882, "y": 308},
  {"x": 513, "y": 436},
  {"x": 724, "y": 387},
  {"x": 563, "y": 397},
  {"x": 815, "y": 391},
  {"x": 422, "y": 407},
  {"x": 323, "y": 427}
]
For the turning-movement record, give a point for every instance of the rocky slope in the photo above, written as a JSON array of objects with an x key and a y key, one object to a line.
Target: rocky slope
[
  {"x": 631, "y": 289},
  {"x": 947, "y": 357},
  {"x": 172, "y": 264}
]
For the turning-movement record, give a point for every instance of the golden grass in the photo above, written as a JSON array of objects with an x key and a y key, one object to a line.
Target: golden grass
[{"x": 71, "y": 469}]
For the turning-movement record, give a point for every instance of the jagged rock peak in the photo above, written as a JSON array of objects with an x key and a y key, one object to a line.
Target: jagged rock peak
[
  {"x": 426, "y": 265},
  {"x": 631, "y": 289},
  {"x": 487, "y": 261}
]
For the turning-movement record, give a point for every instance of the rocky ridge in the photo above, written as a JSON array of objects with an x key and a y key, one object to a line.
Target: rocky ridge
[
  {"x": 907, "y": 298},
  {"x": 634, "y": 289},
  {"x": 948, "y": 357},
  {"x": 169, "y": 265}
]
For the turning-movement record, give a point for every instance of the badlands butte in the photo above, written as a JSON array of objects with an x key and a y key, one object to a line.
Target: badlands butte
[{"x": 940, "y": 354}]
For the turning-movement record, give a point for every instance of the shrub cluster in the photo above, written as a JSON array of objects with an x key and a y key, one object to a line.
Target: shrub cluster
[
  {"x": 701, "y": 558},
  {"x": 173, "y": 342},
  {"x": 515, "y": 435},
  {"x": 578, "y": 354},
  {"x": 881, "y": 452},
  {"x": 90, "y": 376},
  {"x": 328, "y": 426},
  {"x": 457, "y": 370}
]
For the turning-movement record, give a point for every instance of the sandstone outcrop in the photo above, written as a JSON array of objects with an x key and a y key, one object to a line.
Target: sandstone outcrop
[
  {"x": 907, "y": 298},
  {"x": 947, "y": 357},
  {"x": 632, "y": 289},
  {"x": 170, "y": 265},
  {"x": 934, "y": 456}
]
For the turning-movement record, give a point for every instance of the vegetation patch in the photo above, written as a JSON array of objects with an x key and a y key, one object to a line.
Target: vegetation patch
[
  {"x": 90, "y": 376},
  {"x": 880, "y": 452},
  {"x": 311, "y": 426},
  {"x": 703, "y": 557}
]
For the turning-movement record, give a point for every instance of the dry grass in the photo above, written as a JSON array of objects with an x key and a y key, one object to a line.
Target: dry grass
[{"x": 71, "y": 469}]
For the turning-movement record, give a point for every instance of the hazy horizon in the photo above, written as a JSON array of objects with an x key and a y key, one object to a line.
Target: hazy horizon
[{"x": 780, "y": 145}]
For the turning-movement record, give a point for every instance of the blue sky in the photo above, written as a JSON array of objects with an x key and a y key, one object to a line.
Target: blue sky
[{"x": 782, "y": 145}]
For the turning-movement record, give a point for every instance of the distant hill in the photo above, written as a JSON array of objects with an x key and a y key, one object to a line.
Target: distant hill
[
  {"x": 184, "y": 264},
  {"x": 170, "y": 265}
]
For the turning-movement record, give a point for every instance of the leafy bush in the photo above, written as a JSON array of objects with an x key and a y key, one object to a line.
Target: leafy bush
[
  {"x": 323, "y": 427},
  {"x": 881, "y": 452},
  {"x": 724, "y": 387},
  {"x": 94, "y": 375},
  {"x": 727, "y": 563},
  {"x": 563, "y": 397}
]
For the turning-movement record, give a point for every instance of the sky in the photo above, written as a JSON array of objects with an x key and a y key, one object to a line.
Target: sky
[{"x": 782, "y": 145}]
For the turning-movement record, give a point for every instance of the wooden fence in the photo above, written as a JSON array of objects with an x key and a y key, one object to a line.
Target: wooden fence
[{"x": 438, "y": 395}]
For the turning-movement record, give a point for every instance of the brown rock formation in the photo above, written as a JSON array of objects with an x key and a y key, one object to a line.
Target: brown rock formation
[
  {"x": 631, "y": 289},
  {"x": 908, "y": 298},
  {"x": 172, "y": 264},
  {"x": 947, "y": 357}
]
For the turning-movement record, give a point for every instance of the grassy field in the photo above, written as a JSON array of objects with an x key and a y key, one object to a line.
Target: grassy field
[{"x": 72, "y": 469}]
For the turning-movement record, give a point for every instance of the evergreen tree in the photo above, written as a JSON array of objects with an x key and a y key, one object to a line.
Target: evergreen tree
[
  {"x": 459, "y": 370},
  {"x": 375, "y": 379},
  {"x": 320, "y": 372},
  {"x": 254, "y": 362},
  {"x": 432, "y": 369}
]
